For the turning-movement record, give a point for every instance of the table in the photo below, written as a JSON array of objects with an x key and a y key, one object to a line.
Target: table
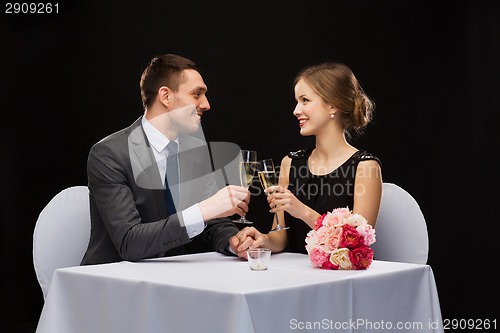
[{"x": 211, "y": 292}]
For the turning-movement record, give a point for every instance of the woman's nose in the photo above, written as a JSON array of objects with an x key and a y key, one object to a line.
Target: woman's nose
[{"x": 297, "y": 110}]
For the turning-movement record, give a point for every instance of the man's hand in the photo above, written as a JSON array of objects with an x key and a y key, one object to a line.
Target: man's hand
[{"x": 228, "y": 201}]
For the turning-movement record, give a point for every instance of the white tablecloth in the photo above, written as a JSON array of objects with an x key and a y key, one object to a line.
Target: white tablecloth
[{"x": 210, "y": 292}]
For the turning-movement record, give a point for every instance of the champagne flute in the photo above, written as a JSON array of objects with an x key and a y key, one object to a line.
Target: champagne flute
[
  {"x": 247, "y": 168},
  {"x": 267, "y": 177}
]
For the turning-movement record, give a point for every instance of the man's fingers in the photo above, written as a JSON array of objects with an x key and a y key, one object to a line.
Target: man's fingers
[
  {"x": 239, "y": 195},
  {"x": 234, "y": 241}
]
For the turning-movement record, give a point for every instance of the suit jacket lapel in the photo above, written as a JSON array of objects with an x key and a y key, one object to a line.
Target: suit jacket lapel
[{"x": 144, "y": 166}]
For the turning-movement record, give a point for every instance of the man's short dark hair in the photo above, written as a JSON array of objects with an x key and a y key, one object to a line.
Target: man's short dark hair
[{"x": 163, "y": 70}]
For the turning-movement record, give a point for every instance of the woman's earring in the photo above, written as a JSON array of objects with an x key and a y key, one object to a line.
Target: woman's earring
[{"x": 332, "y": 115}]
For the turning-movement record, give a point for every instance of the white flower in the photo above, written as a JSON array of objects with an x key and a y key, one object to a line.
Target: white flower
[
  {"x": 340, "y": 257},
  {"x": 311, "y": 240},
  {"x": 356, "y": 220}
]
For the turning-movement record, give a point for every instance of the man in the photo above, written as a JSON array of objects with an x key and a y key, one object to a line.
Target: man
[{"x": 151, "y": 185}]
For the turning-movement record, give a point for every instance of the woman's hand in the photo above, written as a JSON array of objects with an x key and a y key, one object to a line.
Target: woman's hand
[
  {"x": 247, "y": 238},
  {"x": 282, "y": 200}
]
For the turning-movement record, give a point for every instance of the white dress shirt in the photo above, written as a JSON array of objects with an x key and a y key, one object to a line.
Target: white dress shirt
[{"x": 193, "y": 220}]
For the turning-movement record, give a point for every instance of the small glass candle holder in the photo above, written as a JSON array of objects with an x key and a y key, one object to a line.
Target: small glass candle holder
[{"x": 258, "y": 259}]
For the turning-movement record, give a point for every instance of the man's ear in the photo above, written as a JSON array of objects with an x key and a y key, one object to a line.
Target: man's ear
[{"x": 165, "y": 96}]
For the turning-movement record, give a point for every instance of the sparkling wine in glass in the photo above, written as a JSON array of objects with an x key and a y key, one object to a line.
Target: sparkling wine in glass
[
  {"x": 247, "y": 169},
  {"x": 268, "y": 178}
]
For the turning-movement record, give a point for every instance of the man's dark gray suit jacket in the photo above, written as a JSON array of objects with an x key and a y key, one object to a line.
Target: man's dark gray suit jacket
[{"x": 127, "y": 199}]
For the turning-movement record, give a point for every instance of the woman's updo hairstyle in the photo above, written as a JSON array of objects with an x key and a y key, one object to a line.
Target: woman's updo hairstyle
[{"x": 337, "y": 85}]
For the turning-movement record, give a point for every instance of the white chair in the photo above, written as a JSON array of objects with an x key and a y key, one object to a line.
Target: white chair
[
  {"x": 401, "y": 230},
  {"x": 61, "y": 234}
]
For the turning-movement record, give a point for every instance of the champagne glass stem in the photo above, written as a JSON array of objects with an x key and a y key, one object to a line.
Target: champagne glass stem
[
  {"x": 267, "y": 177},
  {"x": 279, "y": 227},
  {"x": 247, "y": 168}
]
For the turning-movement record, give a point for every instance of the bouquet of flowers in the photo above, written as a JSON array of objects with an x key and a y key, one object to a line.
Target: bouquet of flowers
[{"x": 341, "y": 240}]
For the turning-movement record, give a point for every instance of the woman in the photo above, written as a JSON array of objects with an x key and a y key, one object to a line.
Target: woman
[{"x": 330, "y": 105}]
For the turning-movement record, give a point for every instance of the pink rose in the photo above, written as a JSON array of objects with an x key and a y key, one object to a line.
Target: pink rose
[
  {"x": 333, "y": 241},
  {"x": 361, "y": 257},
  {"x": 332, "y": 219},
  {"x": 350, "y": 237},
  {"x": 318, "y": 257},
  {"x": 368, "y": 233},
  {"x": 322, "y": 234},
  {"x": 343, "y": 212}
]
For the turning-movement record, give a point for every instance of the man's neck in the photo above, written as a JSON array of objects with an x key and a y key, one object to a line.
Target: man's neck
[{"x": 160, "y": 121}]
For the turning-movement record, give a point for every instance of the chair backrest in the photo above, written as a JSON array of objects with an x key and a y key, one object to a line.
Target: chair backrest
[
  {"x": 401, "y": 230},
  {"x": 61, "y": 234}
]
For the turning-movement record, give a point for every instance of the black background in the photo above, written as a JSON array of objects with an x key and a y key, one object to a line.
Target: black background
[{"x": 69, "y": 79}]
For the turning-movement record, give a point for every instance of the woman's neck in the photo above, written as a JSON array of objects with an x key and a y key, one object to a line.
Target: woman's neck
[
  {"x": 330, "y": 153},
  {"x": 331, "y": 145}
]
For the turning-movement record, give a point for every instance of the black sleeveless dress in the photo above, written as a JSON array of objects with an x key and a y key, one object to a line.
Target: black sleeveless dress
[{"x": 322, "y": 193}]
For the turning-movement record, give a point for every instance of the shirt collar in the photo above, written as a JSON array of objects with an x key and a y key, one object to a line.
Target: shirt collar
[{"x": 155, "y": 137}]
